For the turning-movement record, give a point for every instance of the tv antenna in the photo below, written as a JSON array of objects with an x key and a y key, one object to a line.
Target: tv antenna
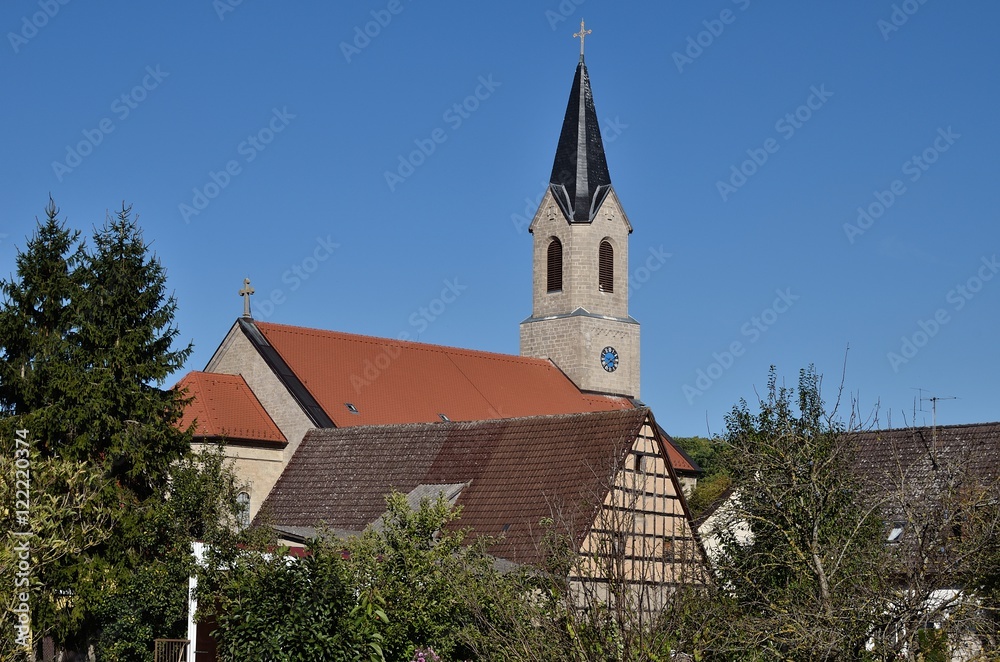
[{"x": 933, "y": 400}]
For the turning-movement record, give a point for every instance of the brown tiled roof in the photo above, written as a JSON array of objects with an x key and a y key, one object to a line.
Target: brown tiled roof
[
  {"x": 517, "y": 472},
  {"x": 914, "y": 452},
  {"x": 224, "y": 407},
  {"x": 394, "y": 381}
]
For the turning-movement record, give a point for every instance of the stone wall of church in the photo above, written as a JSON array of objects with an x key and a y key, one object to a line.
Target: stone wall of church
[
  {"x": 261, "y": 467},
  {"x": 575, "y": 343},
  {"x": 581, "y": 250}
]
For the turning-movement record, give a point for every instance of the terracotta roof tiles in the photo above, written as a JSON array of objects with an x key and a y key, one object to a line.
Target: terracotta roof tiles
[
  {"x": 394, "y": 381},
  {"x": 224, "y": 407}
]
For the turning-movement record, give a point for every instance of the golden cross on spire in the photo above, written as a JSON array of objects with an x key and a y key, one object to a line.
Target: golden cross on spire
[{"x": 582, "y": 34}]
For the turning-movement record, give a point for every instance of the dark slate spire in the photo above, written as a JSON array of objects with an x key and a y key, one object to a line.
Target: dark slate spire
[{"x": 580, "y": 179}]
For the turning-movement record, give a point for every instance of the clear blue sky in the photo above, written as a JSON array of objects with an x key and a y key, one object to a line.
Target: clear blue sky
[{"x": 887, "y": 82}]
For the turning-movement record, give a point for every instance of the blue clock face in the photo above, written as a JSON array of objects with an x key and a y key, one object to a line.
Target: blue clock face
[{"x": 609, "y": 359}]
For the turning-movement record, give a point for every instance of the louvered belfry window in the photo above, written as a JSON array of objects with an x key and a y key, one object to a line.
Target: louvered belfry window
[
  {"x": 554, "y": 266},
  {"x": 606, "y": 268}
]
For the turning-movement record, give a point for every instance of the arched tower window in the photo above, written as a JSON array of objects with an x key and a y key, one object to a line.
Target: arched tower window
[
  {"x": 554, "y": 266},
  {"x": 606, "y": 268},
  {"x": 243, "y": 510}
]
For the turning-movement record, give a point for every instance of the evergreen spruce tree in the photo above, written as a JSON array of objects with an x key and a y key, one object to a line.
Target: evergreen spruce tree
[
  {"x": 37, "y": 323},
  {"x": 126, "y": 334},
  {"x": 86, "y": 346},
  {"x": 128, "y": 423}
]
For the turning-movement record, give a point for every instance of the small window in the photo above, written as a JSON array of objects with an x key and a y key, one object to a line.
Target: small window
[
  {"x": 606, "y": 268},
  {"x": 443, "y": 418},
  {"x": 243, "y": 510},
  {"x": 554, "y": 266},
  {"x": 351, "y": 408},
  {"x": 640, "y": 463}
]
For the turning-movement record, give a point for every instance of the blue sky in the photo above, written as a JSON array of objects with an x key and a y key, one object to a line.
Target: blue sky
[{"x": 253, "y": 139}]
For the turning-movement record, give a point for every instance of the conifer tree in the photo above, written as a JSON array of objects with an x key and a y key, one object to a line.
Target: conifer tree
[
  {"x": 86, "y": 345},
  {"x": 36, "y": 328},
  {"x": 125, "y": 343}
]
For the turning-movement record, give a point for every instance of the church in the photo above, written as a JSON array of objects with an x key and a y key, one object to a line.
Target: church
[{"x": 321, "y": 425}]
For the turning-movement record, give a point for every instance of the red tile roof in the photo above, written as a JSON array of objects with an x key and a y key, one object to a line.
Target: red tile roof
[
  {"x": 223, "y": 406},
  {"x": 393, "y": 381},
  {"x": 517, "y": 472}
]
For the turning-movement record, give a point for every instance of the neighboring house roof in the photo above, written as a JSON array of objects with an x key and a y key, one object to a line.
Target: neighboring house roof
[
  {"x": 914, "y": 453},
  {"x": 515, "y": 472},
  {"x": 224, "y": 407},
  {"x": 683, "y": 463},
  {"x": 909, "y": 464},
  {"x": 390, "y": 381}
]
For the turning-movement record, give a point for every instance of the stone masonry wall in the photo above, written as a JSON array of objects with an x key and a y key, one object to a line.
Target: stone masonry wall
[{"x": 261, "y": 467}]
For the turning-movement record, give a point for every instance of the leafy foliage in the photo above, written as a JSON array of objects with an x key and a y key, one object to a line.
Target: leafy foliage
[
  {"x": 714, "y": 458},
  {"x": 808, "y": 580},
  {"x": 804, "y": 569},
  {"x": 67, "y": 518}
]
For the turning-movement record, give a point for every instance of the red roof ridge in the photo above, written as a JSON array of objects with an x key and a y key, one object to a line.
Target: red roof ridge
[
  {"x": 366, "y": 429},
  {"x": 380, "y": 340}
]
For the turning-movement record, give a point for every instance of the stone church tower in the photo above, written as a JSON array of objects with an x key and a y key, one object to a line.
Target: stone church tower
[{"x": 579, "y": 315}]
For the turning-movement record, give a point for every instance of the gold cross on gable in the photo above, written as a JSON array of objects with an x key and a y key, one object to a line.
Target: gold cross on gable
[
  {"x": 582, "y": 34},
  {"x": 245, "y": 293}
]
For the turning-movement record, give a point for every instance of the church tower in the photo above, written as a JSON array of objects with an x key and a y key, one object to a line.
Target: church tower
[{"x": 579, "y": 315}]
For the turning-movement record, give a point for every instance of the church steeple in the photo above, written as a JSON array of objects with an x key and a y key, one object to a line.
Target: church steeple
[
  {"x": 580, "y": 179},
  {"x": 579, "y": 317}
]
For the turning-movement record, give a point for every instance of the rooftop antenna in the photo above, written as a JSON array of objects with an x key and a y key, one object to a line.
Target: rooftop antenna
[{"x": 933, "y": 400}]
